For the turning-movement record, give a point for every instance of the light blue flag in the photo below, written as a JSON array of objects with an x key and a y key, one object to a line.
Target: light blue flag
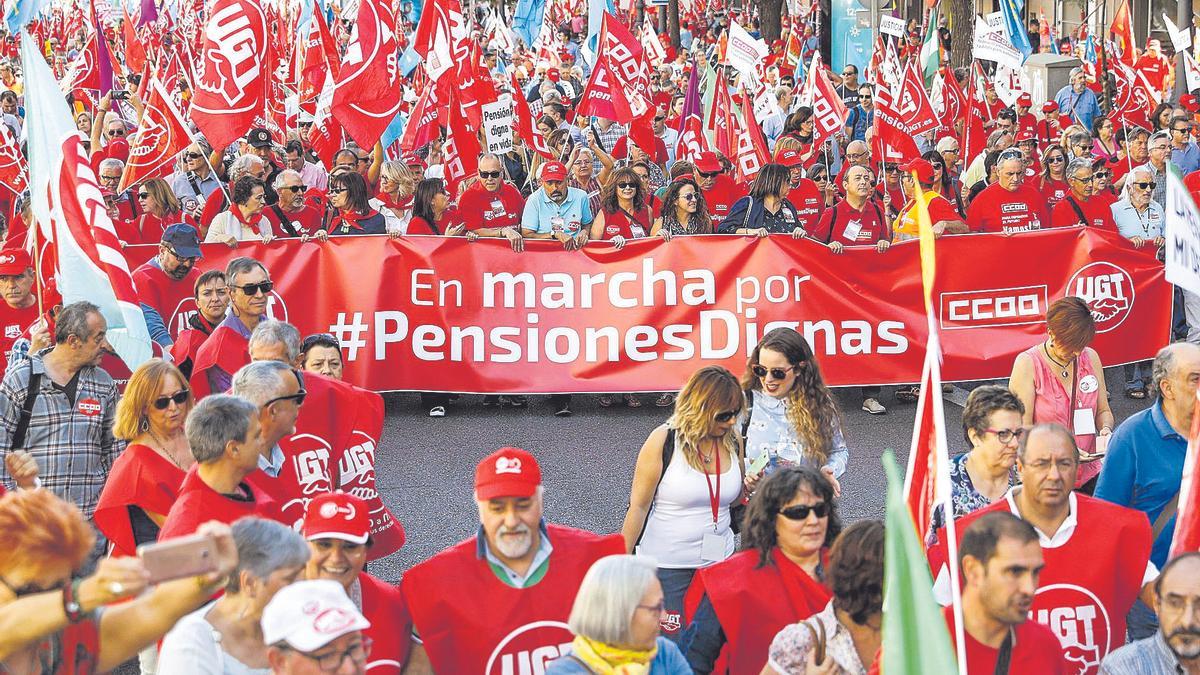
[
  {"x": 394, "y": 130},
  {"x": 409, "y": 60},
  {"x": 596, "y": 12},
  {"x": 21, "y": 12},
  {"x": 68, "y": 205},
  {"x": 527, "y": 19},
  {"x": 1013, "y": 26}
]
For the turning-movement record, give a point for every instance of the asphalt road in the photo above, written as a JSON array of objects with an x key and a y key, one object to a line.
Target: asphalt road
[{"x": 426, "y": 466}]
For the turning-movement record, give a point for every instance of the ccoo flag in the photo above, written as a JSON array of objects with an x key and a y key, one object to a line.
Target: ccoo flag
[{"x": 67, "y": 199}]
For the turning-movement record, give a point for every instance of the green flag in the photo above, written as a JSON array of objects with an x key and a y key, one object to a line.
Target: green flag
[
  {"x": 915, "y": 638},
  {"x": 931, "y": 55}
]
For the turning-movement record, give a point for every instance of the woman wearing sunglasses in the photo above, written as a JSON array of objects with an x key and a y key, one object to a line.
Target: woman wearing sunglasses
[
  {"x": 624, "y": 213},
  {"x": 159, "y": 208},
  {"x": 792, "y": 418},
  {"x": 683, "y": 211},
  {"x": 145, "y": 478},
  {"x": 819, "y": 174},
  {"x": 349, "y": 211},
  {"x": 244, "y": 220},
  {"x": 777, "y": 579},
  {"x": 688, "y": 474},
  {"x": 1053, "y": 182}
]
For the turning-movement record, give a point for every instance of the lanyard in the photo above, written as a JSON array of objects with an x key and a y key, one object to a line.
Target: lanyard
[{"x": 714, "y": 494}]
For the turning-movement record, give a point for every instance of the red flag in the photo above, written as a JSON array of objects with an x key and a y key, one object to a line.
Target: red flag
[
  {"x": 422, "y": 124},
  {"x": 913, "y": 103},
  {"x": 441, "y": 37},
  {"x": 367, "y": 95},
  {"x": 13, "y": 173},
  {"x": 691, "y": 141},
  {"x": 230, "y": 85},
  {"x": 1122, "y": 31},
  {"x": 475, "y": 87},
  {"x": 890, "y": 127},
  {"x": 325, "y": 136},
  {"x": 160, "y": 137},
  {"x": 320, "y": 58},
  {"x": 921, "y": 482},
  {"x": 631, "y": 67},
  {"x": 135, "y": 53},
  {"x": 530, "y": 134},
  {"x": 603, "y": 97},
  {"x": 461, "y": 148},
  {"x": 1135, "y": 97},
  {"x": 829, "y": 112},
  {"x": 950, "y": 101},
  {"x": 84, "y": 73},
  {"x": 723, "y": 123},
  {"x": 751, "y": 151},
  {"x": 974, "y": 137},
  {"x": 1187, "y": 519}
]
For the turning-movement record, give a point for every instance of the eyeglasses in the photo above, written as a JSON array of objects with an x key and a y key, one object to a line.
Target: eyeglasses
[
  {"x": 295, "y": 188},
  {"x": 178, "y": 398},
  {"x": 364, "y": 160},
  {"x": 1006, "y": 435},
  {"x": 951, "y": 151},
  {"x": 336, "y": 191},
  {"x": 1083, "y": 179},
  {"x": 1159, "y": 147},
  {"x": 777, "y": 373},
  {"x": 726, "y": 416},
  {"x": 110, "y": 179},
  {"x": 331, "y": 662},
  {"x": 1182, "y": 130},
  {"x": 489, "y": 174},
  {"x": 254, "y": 289},
  {"x": 864, "y": 96},
  {"x": 192, "y": 155},
  {"x": 1145, "y": 186},
  {"x": 660, "y": 119},
  {"x": 306, "y": 124},
  {"x": 143, "y": 195},
  {"x": 801, "y": 511},
  {"x": 628, "y": 186},
  {"x": 709, "y": 174},
  {"x": 691, "y": 197}
]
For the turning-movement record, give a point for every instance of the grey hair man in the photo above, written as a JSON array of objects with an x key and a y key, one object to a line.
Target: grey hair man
[
  {"x": 1175, "y": 647},
  {"x": 277, "y": 390},
  {"x": 227, "y": 442}
]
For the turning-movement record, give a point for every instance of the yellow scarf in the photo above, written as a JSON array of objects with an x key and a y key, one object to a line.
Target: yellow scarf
[{"x": 608, "y": 660}]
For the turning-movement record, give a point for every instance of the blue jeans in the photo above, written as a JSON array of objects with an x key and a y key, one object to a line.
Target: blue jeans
[
  {"x": 1137, "y": 375},
  {"x": 675, "y": 583},
  {"x": 1141, "y": 622}
]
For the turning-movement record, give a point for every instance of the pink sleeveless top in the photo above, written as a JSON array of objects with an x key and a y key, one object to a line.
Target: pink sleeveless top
[{"x": 1052, "y": 403}]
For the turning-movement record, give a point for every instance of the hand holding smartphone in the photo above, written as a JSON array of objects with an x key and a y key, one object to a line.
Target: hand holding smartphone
[{"x": 179, "y": 558}]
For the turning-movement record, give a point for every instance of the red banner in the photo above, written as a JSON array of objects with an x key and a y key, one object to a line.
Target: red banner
[{"x": 443, "y": 313}]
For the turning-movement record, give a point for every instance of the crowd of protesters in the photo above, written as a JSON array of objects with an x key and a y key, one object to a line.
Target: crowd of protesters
[{"x": 732, "y": 556}]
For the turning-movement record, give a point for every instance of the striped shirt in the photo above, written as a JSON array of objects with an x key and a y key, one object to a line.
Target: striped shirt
[
  {"x": 71, "y": 440},
  {"x": 1151, "y": 656}
]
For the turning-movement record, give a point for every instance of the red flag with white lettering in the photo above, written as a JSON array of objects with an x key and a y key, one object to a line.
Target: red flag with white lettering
[
  {"x": 230, "y": 86},
  {"x": 603, "y": 97},
  {"x": 13, "y": 173},
  {"x": 913, "y": 103},
  {"x": 161, "y": 135},
  {"x": 441, "y": 37},
  {"x": 751, "y": 149},
  {"x": 366, "y": 97},
  {"x": 829, "y": 112},
  {"x": 530, "y": 134},
  {"x": 320, "y": 59},
  {"x": 423, "y": 123},
  {"x": 461, "y": 149},
  {"x": 948, "y": 101}
]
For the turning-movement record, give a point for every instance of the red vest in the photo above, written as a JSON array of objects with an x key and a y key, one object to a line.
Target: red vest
[
  {"x": 391, "y": 626},
  {"x": 472, "y": 622},
  {"x": 1090, "y": 582},
  {"x": 139, "y": 477},
  {"x": 198, "y": 503},
  {"x": 754, "y": 603},
  {"x": 172, "y": 299},
  {"x": 225, "y": 349},
  {"x": 809, "y": 203}
]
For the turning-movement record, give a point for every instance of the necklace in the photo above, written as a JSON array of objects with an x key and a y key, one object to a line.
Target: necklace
[
  {"x": 166, "y": 451},
  {"x": 1065, "y": 366}
]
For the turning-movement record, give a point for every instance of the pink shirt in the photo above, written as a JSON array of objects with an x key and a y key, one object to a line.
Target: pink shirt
[{"x": 1052, "y": 402}]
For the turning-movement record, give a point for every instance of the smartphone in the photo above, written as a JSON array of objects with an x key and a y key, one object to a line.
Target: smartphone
[
  {"x": 179, "y": 558},
  {"x": 120, "y": 95}
]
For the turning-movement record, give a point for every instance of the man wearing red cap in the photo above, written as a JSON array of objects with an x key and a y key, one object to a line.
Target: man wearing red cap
[
  {"x": 1009, "y": 205},
  {"x": 804, "y": 193},
  {"x": 499, "y": 601},
  {"x": 338, "y": 529},
  {"x": 1049, "y": 127},
  {"x": 1079, "y": 208},
  {"x": 941, "y": 213},
  {"x": 1025, "y": 119},
  {"x": 719, "y": 190},
  {"x": 20, "y": 308}
]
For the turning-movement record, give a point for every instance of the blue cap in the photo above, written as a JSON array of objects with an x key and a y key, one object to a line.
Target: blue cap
[{"x": 183, "y": 239}]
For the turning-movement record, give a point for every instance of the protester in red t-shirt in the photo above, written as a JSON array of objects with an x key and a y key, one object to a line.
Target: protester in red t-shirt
[
  {"x": 719, "y": 190},
  {"x": 166, "y": 282},
  {"x": 856, "y": 220},
  {"x": 1079, "y": 208},
  {"x": 159, "y": 207},
  {"x": 1001, "y": 559},
  {"x": 1133, "y": 153},
  {"x": 492, "y": 206},
  {"x": 338, "y": 529},
  {"x": 1053, "y": 180},
  {"x": 623, "y": 213},
  {"x": 20, "y": 308},
  {"x": 296, "y": 216},
  {"x": 1049, "y": 127},
  {"x": 943, "y": 218},
  {"x": 1025, "y": 119},
  {"x": 1155, "y": 66},
  {"x": 1009, "y": 205},
  {"x": 803, "y": 194},
  {"x": 223, "y": 433}
]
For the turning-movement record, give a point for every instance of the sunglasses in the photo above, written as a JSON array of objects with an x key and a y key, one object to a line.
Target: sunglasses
[
  {"x": 723, "y": 417},
  {"x": 691, "y": 196},
  {"x": 181, "y": 258},
  {"x": 706, "y": 174},
  {"x": 1055, "y": 160},
  {"x": 306, "y": 124},
  {"x": 178, "y": 398},
  {"x": 627, "y": 186},
  {"x": 659, "y": 119},
  {"x": 489, "y": 174},
  {"x": 1146, "y": 186},
  {"x": 112, "y": 133},
  {"x": 254, "y": 289},
  {"x": 1099, "y": 176},
  {"x": 777, "y": 373},
  {"x": 295, "y": 188},
  {"x": 1182, "y": 130},
  {"x": 801, "y": 511},
  {"x": 298, "y": 397},
  {"x": 192, "y": 155},
  {"x": 336, "y": 191},
  {"x": 143, "y": 195}
]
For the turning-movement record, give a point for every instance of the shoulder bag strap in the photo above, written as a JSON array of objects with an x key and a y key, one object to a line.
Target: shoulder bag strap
[
  {"x": 668, "y": 451},
  {"x": 749, "y": 414},
  {"x": 285, "y": 223},
  {"x": 195, "y": 186},
  {"x": 749, "y": 208},
  {"x": 1078, "y": 211},
  {"x": 1164, "y": 517},
  {"x": 31, "y": 394},
  {"x": 1005, "y": 657}
]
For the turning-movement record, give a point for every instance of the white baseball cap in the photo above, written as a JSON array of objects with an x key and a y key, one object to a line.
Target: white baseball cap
[{"x": 310, "y": 614}]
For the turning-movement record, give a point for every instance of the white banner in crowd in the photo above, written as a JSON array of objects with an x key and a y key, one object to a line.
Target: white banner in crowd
[
  {"x": 1182, "y": 235},
  {"x": 891, "y": 25},
  {"x": 498, "y": 125},
  {"x": 992, "y": 44},
  {"x": 1180, "y": 39},
  {"x": 1193, "y": 72},
  {"x": 745, "y": 53},
  {"x": 1011, "y": 83}
]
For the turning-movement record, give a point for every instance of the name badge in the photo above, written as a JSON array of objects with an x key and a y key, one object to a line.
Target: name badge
[
  {"x": 853, "y": 228},
  {"x": 712, "y": 549},
  {"x": 1085, "y": 422}
]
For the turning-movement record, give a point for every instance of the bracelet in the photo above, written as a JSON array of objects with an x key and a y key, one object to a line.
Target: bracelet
[{"x": 71, "y": 601}]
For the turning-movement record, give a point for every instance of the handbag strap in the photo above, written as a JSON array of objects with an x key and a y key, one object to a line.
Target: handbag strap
[
  {"x": 31, "y": 394},
  {"x": 1164, "y": 517},
  {"x": 668, "y": 451}
]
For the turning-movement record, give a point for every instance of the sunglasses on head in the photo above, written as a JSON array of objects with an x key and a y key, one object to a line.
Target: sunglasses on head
[
  {"x": 178, "y": 398},
  {"x": 254, "y": 289},
  {"x": 801, "y": 511},
  {"x": 726, "y": 416},
  {"x": 489, "y": 174},
  {"x": 777, "y": 373}
]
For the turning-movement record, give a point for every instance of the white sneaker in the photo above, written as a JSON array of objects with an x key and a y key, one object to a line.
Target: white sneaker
[
  {"x": 873, "y": 406},
  {"x": 437, "y": 411}
]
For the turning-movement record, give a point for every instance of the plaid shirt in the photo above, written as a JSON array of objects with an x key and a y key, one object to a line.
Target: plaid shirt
[{"x": 72, "y": 443}]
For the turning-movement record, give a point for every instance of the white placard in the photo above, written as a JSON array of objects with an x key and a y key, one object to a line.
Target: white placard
[
  {"x": 498, "y": 125},
  {"x": 890, "y": 25},
  {"x": 1193, "y": 72},
  {"x": 1182, "y": 235},
  {"x": 1179, "y": 38},
  {"x": 744, "y": 52},
  {"x": 992, "y": 45}
]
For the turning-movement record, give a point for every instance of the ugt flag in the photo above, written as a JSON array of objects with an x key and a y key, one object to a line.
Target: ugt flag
[{"x": 66, "y": 199}]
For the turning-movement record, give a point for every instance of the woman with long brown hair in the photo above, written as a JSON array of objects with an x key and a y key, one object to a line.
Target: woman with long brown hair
[
  {"x": 623, "y": 213},
  {"x": 791, "y": 415},
  {"x": 688, "y": 474},
  {"x": 683, "y": 211}
]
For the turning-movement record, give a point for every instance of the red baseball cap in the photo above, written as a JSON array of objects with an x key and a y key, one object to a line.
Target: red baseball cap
[
  {"x": 1025, "y": 100},
  {"x": 14, "y": 261},
  {"x": 707, "y": 162},
  {"x": 554, "y": 171},
  {"x": 552, "y": 74},
  {"x": 507, "y": 472},
  {"x": 789, "y": 158},
  {"x": 922, "y": 167},
  {"x": 1189, "y": 101},
  {"x": 1024, "y": 135},
  {"x": 1049, "y": 107},
  {"x": 337, "y": 515}
]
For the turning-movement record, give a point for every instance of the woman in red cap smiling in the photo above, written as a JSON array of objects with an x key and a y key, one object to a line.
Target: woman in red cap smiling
[{"x": 338, "y": 529}]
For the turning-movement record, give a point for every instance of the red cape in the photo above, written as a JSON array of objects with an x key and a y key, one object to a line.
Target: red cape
[
  {"x": 139, "y": 477},
  {"x": 198, "y": 503},
  {"x": 225, "y": 349}
]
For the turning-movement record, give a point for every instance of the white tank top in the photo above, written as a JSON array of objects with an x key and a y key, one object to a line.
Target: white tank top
[{"x": 682, "y": 514}]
